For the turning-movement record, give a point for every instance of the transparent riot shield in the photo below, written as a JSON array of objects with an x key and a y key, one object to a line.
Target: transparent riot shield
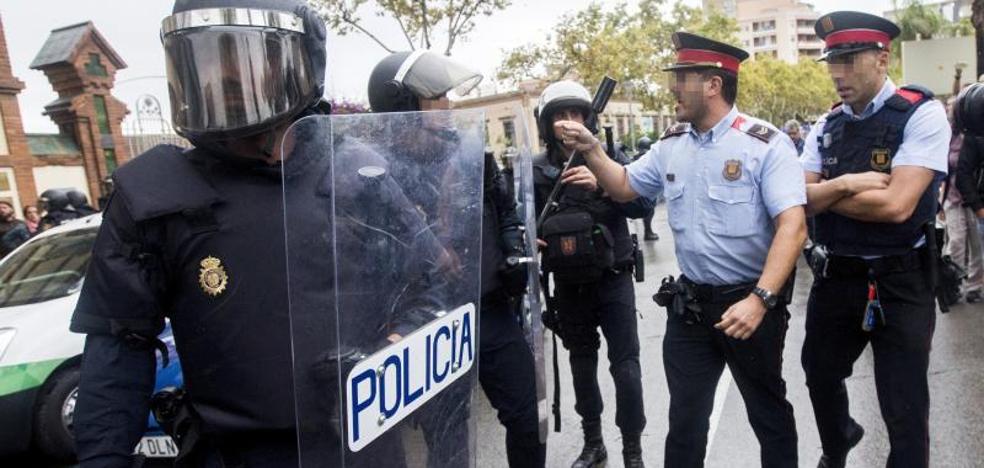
[
  {"x": 522, "y": 161},
  {"x": 383, "y": 222}
]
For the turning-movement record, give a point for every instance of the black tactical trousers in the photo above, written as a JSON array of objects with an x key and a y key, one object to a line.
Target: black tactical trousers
[
  {"x": 507, "y": 376},
  {"x": 609, "y": 304},
  {"x": 506, "y": 373},
  {"x": 694, "y": 357},
  {"x": 834, "y": 340}
]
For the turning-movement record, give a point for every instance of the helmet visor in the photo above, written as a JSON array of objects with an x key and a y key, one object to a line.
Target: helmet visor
[
  {"x": 430, "y": 76},
  {"x": 227, "y": 80}
]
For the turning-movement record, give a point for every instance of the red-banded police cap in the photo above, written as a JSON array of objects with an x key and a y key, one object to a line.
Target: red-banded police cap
[
  {"x": 847, "y": 32},
  {"x": 693, "y": 51}
]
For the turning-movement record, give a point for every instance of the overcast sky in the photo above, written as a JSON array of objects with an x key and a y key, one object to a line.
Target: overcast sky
[{"x": 132, "y": 28}]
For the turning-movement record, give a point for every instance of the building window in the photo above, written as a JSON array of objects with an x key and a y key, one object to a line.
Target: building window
[
  {"x": 807, "y": 37},
  {"x": 764, "y": 26},
  {"x": 95, "y": 68},
  {"x": 102, "y": 117},
  {"x": 4, "y": 150},
  {"x": 110, "y": 155},
  {"x": 509, "y": 130}
]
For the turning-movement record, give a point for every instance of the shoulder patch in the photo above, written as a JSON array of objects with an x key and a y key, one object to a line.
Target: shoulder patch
[
  {"x": 676, "y": 130},
  {"x": 760, "y": 132},
  {"x": 913, "y": 93}
]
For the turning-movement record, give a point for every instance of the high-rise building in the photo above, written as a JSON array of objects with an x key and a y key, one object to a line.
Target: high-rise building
[{"x": 781, "y": 29}]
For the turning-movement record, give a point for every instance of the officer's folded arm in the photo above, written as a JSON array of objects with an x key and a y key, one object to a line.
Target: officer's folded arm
[
  {"x": 894, "y": 204},
  {"x": 822, "y": 194},
  {"x": 742, "y": 319}
]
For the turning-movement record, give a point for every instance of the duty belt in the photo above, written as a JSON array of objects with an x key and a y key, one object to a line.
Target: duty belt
[
  {"x": 706, "y": 293},
  {"x": 841, "y": 266}
]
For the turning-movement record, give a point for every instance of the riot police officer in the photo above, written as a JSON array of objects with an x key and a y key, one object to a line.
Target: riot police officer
[
  {"x": 80, "y": 203},
  {"x": 57, "y": 207},
  {"x": 420, "y": 81},
  {"x": 734, "y": 193},
  {"x": 873, "y": 166},
  {"x": 643, "y": 146},
  {"x": 180, "y": 238},
  {"x": 581, "y": 216}
]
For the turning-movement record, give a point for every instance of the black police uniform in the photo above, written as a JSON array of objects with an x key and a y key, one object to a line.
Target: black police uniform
[
  {"x": 506, "y": 367},
  {"x": 234, "y": 341},
  {"x": 882, "y": 258},
  {"x": 608, "y": 303}
]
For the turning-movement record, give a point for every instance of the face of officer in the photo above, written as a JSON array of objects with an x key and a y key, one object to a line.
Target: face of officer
[
  {"x": 692, "y": 90},
  {"x": 567, "y": 113},
  {"x": 859, "y": 76}
]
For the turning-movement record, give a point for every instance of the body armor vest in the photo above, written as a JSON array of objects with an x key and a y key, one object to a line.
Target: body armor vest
[{"x": 850, "y": 146}]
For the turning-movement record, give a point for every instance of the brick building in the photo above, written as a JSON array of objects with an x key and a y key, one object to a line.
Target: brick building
[{"x": 81, "y": 67}]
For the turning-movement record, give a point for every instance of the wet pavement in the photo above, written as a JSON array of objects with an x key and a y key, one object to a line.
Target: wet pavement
[{"x": 956, "y": 386}]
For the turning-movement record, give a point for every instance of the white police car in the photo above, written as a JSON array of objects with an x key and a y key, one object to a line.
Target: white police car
[{"x": 39, "y": 357}]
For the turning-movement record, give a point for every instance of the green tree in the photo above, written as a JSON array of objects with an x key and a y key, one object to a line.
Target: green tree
[
  {"x": 628, "y": 46},
  {"x": 420, "y": 21},
  {"x": 977, "y": 19},
  {"x": 776, "y": 91}
]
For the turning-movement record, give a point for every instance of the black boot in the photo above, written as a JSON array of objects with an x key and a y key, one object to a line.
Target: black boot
[
  {"x": 651, "y": 236},
  {"x": 632, "y": 451},
  {"x": 839, "y": 460},
  {"x": 594, "y": 454}
]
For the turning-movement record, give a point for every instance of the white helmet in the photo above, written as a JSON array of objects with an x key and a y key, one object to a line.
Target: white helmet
[{"x": 560, "y": 95}]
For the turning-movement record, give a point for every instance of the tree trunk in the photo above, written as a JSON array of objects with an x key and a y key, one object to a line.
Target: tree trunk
[{"x": 977, "y": 18}]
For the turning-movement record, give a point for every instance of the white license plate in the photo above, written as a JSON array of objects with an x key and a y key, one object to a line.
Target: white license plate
[{"x": 157, "y": 447}]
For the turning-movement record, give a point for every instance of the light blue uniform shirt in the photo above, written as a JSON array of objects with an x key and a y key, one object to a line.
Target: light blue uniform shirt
[
  {"x": 723, "y": 189},
  {"x": 925, "y": 139}
]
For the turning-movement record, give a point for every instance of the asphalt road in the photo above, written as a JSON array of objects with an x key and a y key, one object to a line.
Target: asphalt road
[{"x": 956, "y": 385}]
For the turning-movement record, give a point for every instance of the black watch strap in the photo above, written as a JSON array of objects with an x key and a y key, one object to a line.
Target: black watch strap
[{"x": 768, "y": 298}]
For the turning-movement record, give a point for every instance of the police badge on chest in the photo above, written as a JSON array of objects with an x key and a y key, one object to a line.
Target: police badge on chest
[{"x": 881, "y": 159}]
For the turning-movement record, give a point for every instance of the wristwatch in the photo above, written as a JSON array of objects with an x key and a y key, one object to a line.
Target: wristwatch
[{"x": 770, "y": 300}]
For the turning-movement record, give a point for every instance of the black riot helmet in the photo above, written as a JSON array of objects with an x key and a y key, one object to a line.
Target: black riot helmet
[
  {"x": 643, "y": 144},
  {"x": 560, "y": 95},
  {"x": 400, "y": 80},
  {"x": 968, "y": 112},
  {"x": 77, "y": 199},
  {"x": 237, "y": 68},
  {"x": 54, "y": 199}
]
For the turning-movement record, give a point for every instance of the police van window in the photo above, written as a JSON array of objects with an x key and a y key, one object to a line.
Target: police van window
[{"x": 47, "y": 268}]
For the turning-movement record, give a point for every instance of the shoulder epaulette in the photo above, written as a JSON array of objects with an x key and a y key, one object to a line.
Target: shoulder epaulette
[
  {"x": 914, "y": 93},
  {"x": 755, "y": 130},
  {"x": 676, "y": 130},
  {"x": 908, "y": 96}
]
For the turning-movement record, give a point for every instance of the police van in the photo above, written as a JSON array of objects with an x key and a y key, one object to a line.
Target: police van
[{"x": 40, "y": 358}]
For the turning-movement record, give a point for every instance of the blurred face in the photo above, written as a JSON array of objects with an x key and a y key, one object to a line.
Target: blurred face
[
  {"x": 794, "y": 133},
  {"x": 690, "y": 89},
  {"x": 859, "y": 76},
  {"x": 6, "y": 211},
  {"x": 31, "y": 213},
  {"x": 568, "y": 113}
]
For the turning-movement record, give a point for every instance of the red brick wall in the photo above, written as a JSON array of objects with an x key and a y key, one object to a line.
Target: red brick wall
[{"x": 20, "y": 155}]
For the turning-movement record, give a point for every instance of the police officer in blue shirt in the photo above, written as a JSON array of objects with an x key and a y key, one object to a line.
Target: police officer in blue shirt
[
  {"x": 873, "y": 166},
  {"x": 735, "y": 192}
]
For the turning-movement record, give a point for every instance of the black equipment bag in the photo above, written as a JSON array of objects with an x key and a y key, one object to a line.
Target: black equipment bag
[{"x": 578, "y": 249}]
